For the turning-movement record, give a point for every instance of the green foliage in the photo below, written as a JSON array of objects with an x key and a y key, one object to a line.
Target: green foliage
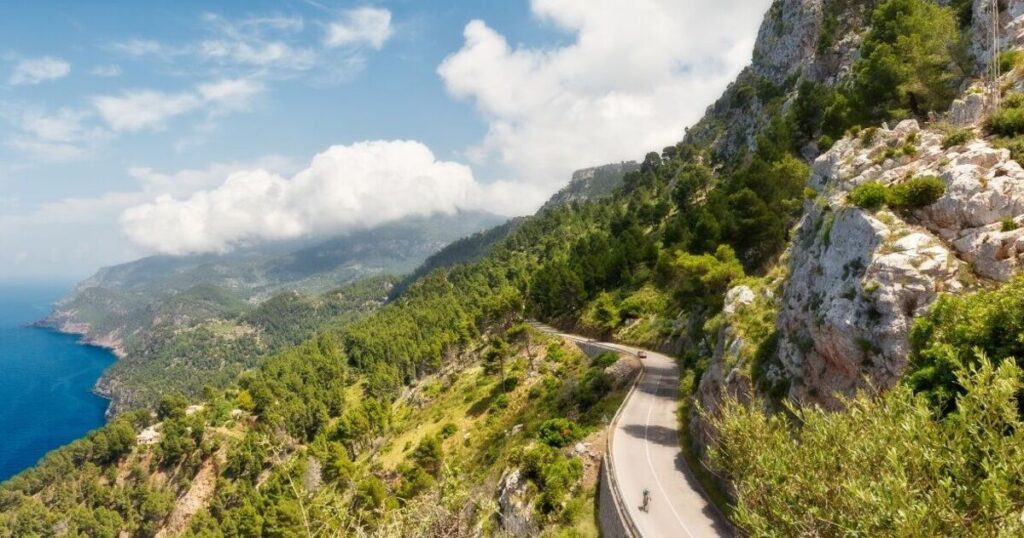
[
  {"x": 916, "y": 193},
  {"x": 1010, "y": 60},
  {"x": 1008, "y": 121},
  {"x": 909, "y": 61},
  {"x": 1008, "y": 224},
  {"x": 701, "y": 279},
  {"x": 957, "y": 137},
  {"x": 554, "y": 474},
  {"x": 171, "y": 406},
  {"x": 870, "y": 195},
  {"x": 559, "y": 432},
  {"x": 885, "y": 466},
  {"x": 944, "y": 341}
]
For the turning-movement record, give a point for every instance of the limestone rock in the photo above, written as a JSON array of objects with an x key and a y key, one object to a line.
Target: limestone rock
[
  {"x": 968, "y": 112},
  {"x": 858, "y": 278},
  {"x": 515, "y": 510}
]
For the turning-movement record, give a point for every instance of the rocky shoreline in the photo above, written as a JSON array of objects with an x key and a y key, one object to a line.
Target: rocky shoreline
[{"x": 62, "y": 322}]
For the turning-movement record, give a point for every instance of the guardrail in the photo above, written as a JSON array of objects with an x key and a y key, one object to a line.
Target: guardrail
[
  {"x": 628, "y": 526},
  {"x": 620, "y": 505}
]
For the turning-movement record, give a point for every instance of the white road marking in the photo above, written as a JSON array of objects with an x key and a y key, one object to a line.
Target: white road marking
[{"x": 650, "y": 463}]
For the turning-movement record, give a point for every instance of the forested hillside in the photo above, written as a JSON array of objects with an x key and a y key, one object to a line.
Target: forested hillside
[
  {"x": 768, "y": 268},
  {"x": 185, "y": 322}
]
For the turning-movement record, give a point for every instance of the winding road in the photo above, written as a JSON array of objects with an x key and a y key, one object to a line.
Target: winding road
[{"x": 645, "y": 454}]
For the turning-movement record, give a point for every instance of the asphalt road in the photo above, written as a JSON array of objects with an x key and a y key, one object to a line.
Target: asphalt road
[{"x": 645, "y": 454}]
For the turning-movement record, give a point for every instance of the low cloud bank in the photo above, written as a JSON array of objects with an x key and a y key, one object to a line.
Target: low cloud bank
[{"x": 344, "y": 188}]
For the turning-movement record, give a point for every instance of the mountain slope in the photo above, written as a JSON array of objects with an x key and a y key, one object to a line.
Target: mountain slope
[
  {"x": 697, "y": 253},
  {"x": 179, "y": 323}
]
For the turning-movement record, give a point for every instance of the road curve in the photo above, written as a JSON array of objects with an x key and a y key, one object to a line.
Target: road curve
[{"x": 645, "y": 454}]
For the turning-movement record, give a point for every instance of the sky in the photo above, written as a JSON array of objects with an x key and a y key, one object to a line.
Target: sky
[{"x": 134, "y": 128}]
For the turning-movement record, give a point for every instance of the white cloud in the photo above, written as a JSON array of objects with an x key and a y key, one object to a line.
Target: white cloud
[
  {"x": 257, "y": 54},
  {"x": 136, "y": 110},
  {"x": 141, "y": 109},
  {"x": 246, "y": 42},
  {"x": 143, "y": 47},
  {"x": 361, "y": 26},
  {"x": 343, "y": 188},
  {"x": 36, "y": 70},
  {"x": 188, "y": 181},
  {"x": 636, "y": 74},
  {"x": 111, "y": 70},
  {"x": 51, "y": 136}
]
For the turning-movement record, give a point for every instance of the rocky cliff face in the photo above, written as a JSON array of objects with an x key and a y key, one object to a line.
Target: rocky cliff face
[
  {"x": 591, "y": 183},
  {"x": 859, "y": 278},
  {"x": 815, "y": 40}
]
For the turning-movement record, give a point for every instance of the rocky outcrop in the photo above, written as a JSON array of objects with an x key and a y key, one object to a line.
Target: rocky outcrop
[
  {"x": 1009, "y": 27},
  {"x": 515, "y": 505},
  {"x": 858, "y": 278},
  {"x": 815, "y": 39},
  {"x": 591, "y": 183},
  {"x": 725, "y": 374}
]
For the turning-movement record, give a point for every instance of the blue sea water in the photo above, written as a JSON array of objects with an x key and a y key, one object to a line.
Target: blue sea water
[{"x": 45, "y": 379}]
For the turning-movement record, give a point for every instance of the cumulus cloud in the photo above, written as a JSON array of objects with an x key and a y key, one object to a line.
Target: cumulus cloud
[
  {"x": 368, "y": 26},
  {"x": 343, "y": 188},
  {"x": 135, "y": 110},
  {"x": 636, "y": 74},
  {"x": 183, "y": 183},
  {"x": 36, "y": 70}
]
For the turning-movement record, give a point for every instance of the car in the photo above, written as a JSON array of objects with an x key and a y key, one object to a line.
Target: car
[{"x": 642, "y": 354}]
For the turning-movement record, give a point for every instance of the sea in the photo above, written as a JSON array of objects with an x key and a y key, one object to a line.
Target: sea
[{"x": 45, "y": 379}]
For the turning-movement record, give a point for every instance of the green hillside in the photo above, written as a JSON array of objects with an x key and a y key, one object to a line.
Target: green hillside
[{"x": 404, "y": 421}]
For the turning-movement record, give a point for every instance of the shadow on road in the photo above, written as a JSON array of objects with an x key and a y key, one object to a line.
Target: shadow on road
[
  {"x": 654, "y": 434},
  {"x": 709, "y": 510}
]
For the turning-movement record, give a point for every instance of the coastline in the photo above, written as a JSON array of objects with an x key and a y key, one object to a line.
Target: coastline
[{"x": 109, "y": 343}]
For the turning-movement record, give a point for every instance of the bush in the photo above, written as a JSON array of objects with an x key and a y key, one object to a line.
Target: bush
[
  {"x": 916, "y": 193},
  {"x": 559, "y": 432},
  {"x": 943, "y": 342},
  {"x": 1007, "y": 122},
  {"x": 1015, "y": 145},
  {"x": 1009, "y": 60},
  {"x": 880, "y": 468},
  {"x": 1008, "y": 224},
  {"x": 870, "y": 195},
  {"x": 957, "y": 137}
]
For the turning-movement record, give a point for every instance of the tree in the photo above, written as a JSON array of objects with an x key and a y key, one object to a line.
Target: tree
[
  {"x": 909, "y": 60},
  {"x": 172, "y": 405}
]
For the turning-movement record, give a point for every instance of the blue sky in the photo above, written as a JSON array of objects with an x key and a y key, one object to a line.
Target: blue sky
[{"x": 128, "y": 128}]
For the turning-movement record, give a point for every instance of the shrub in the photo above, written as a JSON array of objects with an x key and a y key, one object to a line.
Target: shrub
[
  {"x": 1013, "y": 100},
  {"x": 943, "y": 342},
  {"x": 916, "y": 193},
  {"x": 1007, "y": 122},
  {"x": 559, "y": 432},
  {"x": 879, "y": 468},
  {"x": 1008, "y": 224},
  {"x": 869, "y": 135},
  {"x": 604, "y": 360},
  {"x": 825, "y": 143},
  {"x": 1015, "y": 145},
  {"x": 1009, "y": 60},
  {"x": 870, "y": 195},
  {"x": 957, "y": 137}
]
